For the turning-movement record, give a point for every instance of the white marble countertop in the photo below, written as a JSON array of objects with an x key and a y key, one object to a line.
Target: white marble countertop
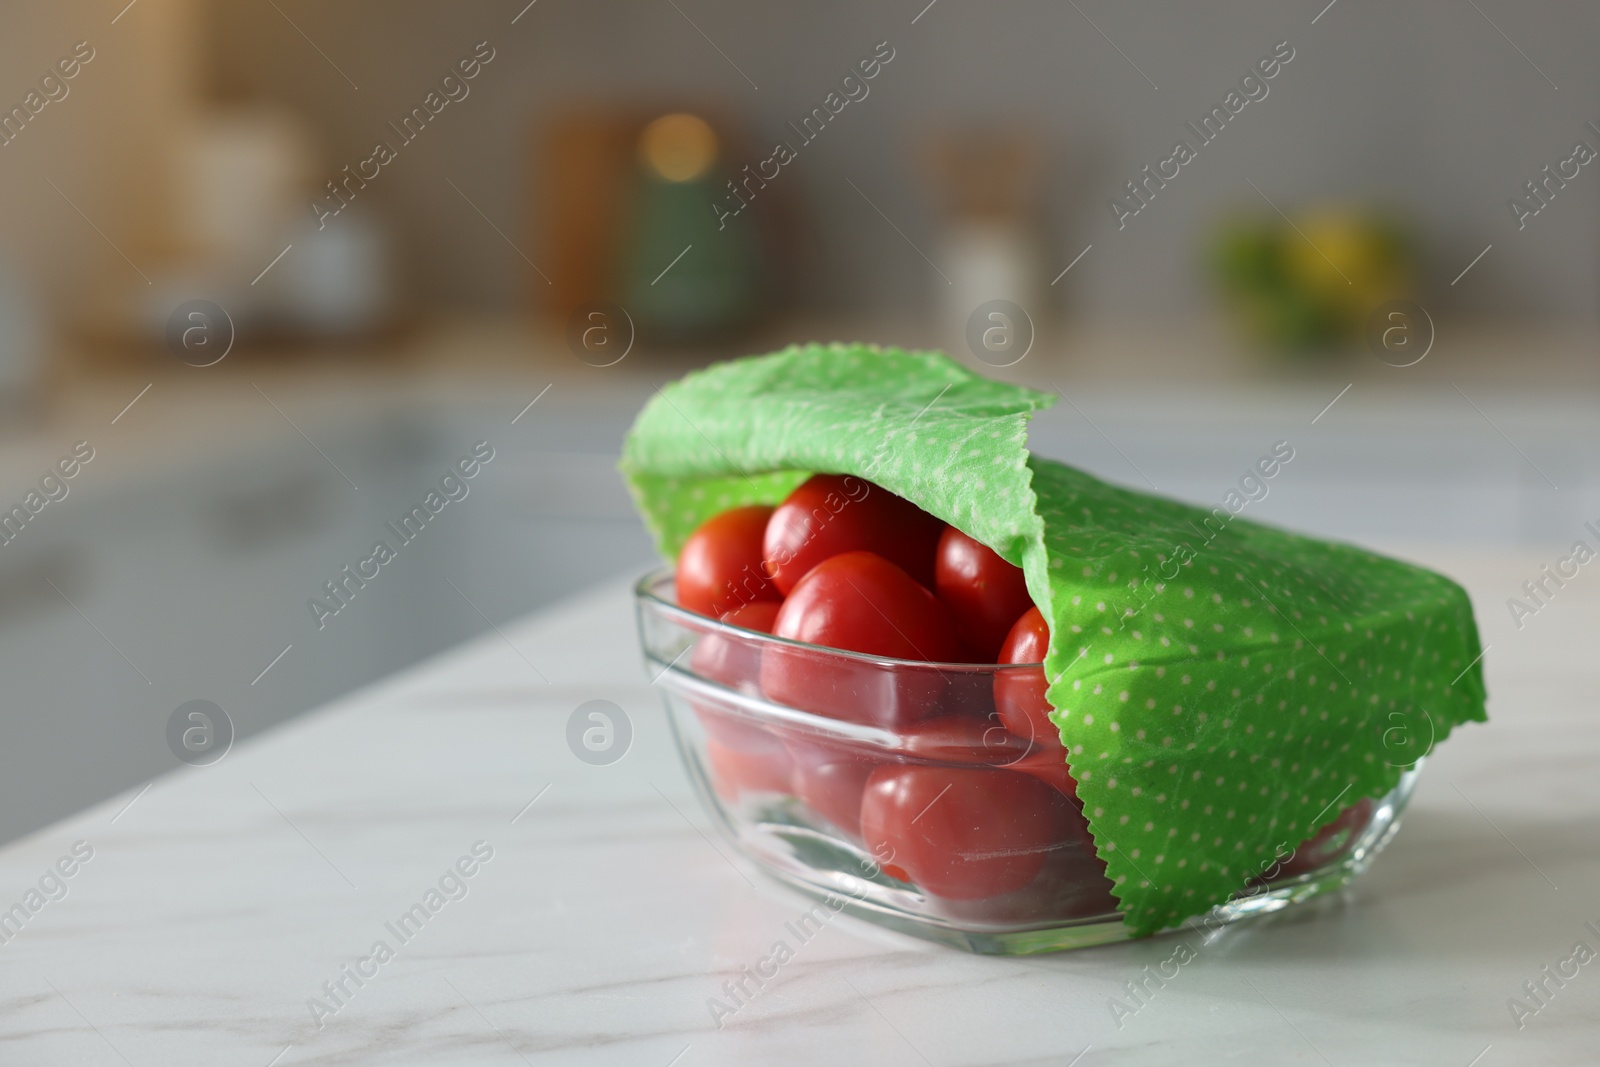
[{"x": 217, "y": 902}]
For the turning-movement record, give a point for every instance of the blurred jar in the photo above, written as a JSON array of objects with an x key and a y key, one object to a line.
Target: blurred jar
[
  {"x": 246, "y": 174},
  {"x": 987, "y": 180},
  {"x": 243, "y": 177},
  {"x": 336, "y": 281},
  {"x": 681, "y": 281}
]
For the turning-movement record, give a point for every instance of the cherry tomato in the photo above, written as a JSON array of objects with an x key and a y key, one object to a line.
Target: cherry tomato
[
  {"x": 737, "y": 771},
  {"x": 829, "y": 778},
  {"x": 961, "y": 833},
  {"x": 862, "y": 602},
  {"x": 1020, "y": 705},
  {"x": 859, "y": 602},
  {"x": 963, "y": 739},
  {"x": 720, "y": 566},
  {"x": 1019, "y": 694},
  {"x": 1048, "y": 766},
  {"x": 730, "y": 659},
  {"x": 1327, "y": 844},
  {"x": 735, "y": 661},
  {"x": 1071, "y": 885},
  {"x": 968, "y": 693},
  {"x": 831, "y": 513},
  {"x": 984, "y": 593}
]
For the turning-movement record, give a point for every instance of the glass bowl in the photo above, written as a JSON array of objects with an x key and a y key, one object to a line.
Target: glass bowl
[{"x": 889, "y": 790}]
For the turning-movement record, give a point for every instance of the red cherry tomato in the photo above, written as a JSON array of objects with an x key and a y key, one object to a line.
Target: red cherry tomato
[
  {"x": 862, "y": 602},
  {"x": 1048, "y": 766},
  {"x": 831, "y": 514},
  {"x": 1327, "y": 844},
  {"x": 859, "y": 602},
  {"x": 963, "y": 739},
  {"x": 735, "y": 661},
  {"x": 737, "y": 771},
  {"x": 830, "y": 778},
  {"x": 969, "y": 693},
  {"x": 1019, "y": 694},
  {"x": 1071, "y": 885},
  {"x": 720, "y": 566},
  {"x": 961, "y": 833},
  {"x": 1020, "y": 704},
  {"x": 984, "y": 593},
  {"x": 729, "y": 658}
]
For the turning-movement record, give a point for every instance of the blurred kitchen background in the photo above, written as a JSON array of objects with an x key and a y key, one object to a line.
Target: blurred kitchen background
[{"x": 280, "y": 263}]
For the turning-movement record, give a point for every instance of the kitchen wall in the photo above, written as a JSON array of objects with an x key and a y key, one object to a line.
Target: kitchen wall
[{"x": 1423, "y": 106}]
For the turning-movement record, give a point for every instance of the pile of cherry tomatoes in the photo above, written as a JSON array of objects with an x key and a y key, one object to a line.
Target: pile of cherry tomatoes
[{"x": 975, "y": 803}]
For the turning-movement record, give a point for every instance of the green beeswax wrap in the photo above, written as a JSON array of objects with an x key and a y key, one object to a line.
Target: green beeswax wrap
[{"x": 1224, "y": 689}]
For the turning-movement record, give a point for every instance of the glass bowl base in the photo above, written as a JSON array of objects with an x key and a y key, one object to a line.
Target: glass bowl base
[{"x": 780, "y": 837}]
